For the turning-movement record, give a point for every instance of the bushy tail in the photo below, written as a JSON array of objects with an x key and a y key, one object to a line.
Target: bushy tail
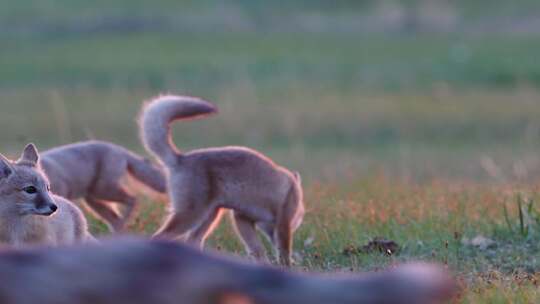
[
  {"x": 156, "y": 117},
  {"x": 146, "y": 173}
]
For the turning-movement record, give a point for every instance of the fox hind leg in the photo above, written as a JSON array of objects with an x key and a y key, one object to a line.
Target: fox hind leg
[
  {"x": 245, "y": 228},
  {"x": 283, "y": 243},
  {"x": 283, "y": 231},
  {"x": 116, "y": 193},
  {"x": 179, "y": 223},
  {"x": 190, "y": 207},
  {"x": 106, "y": 212},
  {"x": 199, "y": 235}
]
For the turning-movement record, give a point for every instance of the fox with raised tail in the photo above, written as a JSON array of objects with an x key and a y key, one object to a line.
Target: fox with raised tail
[
  {"x": 204, "y": 182},
  {"x": 94, "y": 170},
  {"x": 29, "y": 212}
]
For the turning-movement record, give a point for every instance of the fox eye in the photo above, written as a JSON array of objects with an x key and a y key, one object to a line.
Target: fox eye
[{"x": 30, "y": 189}]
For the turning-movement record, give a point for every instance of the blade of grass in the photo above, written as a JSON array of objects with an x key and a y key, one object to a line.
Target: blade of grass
[
  {"x": 522, "y": 228},
  {"x": 507, "y": 218}
]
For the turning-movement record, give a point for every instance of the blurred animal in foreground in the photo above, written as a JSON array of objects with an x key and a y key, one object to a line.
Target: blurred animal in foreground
[
  {"x": 95, "y": 171},
  {"x": 203, "y": 182},
  {"x": 29, "y": 213},
  {"x": 161, "y": 272}
]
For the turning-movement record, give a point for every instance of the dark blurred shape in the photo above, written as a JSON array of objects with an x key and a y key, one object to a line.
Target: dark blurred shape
[{"x": 140, "y": 271}]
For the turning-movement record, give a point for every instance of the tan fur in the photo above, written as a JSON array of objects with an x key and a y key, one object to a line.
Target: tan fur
[
  {"x": 158, "y": 272},
  {"x": 202, "y": 182},
  {"x": 94, "y": 170},
  {"x": 36, "y": 217}
]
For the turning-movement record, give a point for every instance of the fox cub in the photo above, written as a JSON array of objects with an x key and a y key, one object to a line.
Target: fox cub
[
  {"x": 29, "y": 213},
  {"x": 202, "y": 183},
  {"x": 94, "y": 170}
]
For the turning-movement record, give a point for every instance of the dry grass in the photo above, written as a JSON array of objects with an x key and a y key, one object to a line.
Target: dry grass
[{"x": 428, "y": 220}]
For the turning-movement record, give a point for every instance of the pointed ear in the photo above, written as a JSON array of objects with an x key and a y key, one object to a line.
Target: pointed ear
[
  {"x": 298, "y": 177},
  {"x": 5, "y": 167},
  {"x": 30, "y": 155}
]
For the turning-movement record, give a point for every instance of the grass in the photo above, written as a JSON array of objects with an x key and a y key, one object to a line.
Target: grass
[
  {"x": 441, "y": 133},
  {"x": 430, "y": 222},
  {"x": 271, "y": 60},
  {"x": 408, "y": 166}
]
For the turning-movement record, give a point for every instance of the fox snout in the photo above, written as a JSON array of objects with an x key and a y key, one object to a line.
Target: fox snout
[
  {"x": 45, "y": 205},
  {"x": 46, "y": 209},
  {"x": 49, "y": 210}
]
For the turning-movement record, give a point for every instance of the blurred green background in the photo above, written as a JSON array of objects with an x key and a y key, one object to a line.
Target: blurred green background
[{"x": 415, "y": 89}]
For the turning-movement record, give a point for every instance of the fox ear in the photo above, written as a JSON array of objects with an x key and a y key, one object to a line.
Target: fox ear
[
  {"x": 5, "y": 167},
  {"x": 30, "y": 155},
  {"x": 298, "y": 177}
]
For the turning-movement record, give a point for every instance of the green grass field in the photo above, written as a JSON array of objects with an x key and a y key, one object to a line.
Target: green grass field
[{"x": 428, "y": 138}]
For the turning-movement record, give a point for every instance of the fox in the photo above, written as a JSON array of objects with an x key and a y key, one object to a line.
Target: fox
[
  {"x": 29, "y": 212},
  {"x": 203, "y": 183},
  {"x": 142, "y": 271},
  {"x": 94, "y": 170}
]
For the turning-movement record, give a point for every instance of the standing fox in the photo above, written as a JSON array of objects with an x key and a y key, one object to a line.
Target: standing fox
[
  {"x": 203, "y": 182},
  {"x": 29, "y": 213},
  {"x": 93, "y": 170}
]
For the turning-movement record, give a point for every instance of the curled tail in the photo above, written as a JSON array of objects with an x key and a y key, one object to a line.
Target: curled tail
[
  {"x": 156, "y": 117},
  {"x": 145, "y": 172}
]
